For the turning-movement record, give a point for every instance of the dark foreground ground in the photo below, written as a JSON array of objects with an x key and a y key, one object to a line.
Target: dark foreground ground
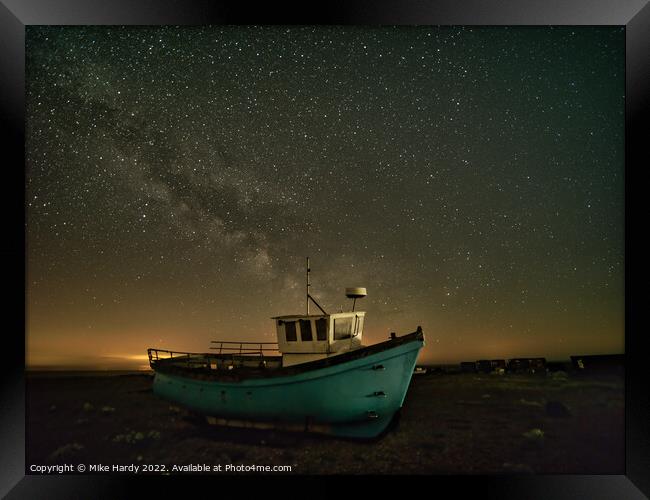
[{"x": 450, "y": 423}]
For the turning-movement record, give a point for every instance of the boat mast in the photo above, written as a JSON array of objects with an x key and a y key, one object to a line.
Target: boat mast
[{"x": 309, "y": 297}]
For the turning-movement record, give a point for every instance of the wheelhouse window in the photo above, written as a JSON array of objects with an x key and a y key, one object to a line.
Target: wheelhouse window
[
  {"x": 321, "y": 329},
  {"x": 290, "y": 331},
  {"x": 342, "y": 328},
  {"x": 305, "y": 330}
]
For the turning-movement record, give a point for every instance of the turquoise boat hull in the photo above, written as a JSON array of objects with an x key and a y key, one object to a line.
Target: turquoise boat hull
[{"x": 356, "y": 395}]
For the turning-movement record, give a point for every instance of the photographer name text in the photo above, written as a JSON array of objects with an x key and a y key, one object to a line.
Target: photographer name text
[{"x": 155, "y": 468}]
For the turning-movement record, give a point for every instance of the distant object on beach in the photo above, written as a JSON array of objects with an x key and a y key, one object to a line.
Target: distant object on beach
[
  {"x": 527, "y": 365},
  {"x": 484, "y": 366},
  {"x": 598, "y": 362},
  {"x": 468, "y": 367},
  {"x": 591, "y": 363}
]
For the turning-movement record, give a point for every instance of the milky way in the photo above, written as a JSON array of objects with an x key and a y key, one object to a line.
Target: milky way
[{"x": 470, "y": 178}]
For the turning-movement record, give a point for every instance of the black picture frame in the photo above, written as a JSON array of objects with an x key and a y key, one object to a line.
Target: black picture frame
[{"x": 16, "y": 14}]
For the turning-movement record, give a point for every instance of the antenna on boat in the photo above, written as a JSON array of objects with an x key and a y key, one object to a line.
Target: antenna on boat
[
  {"x": 355, "y": 293},
  {"x": 309, "y": 297}
]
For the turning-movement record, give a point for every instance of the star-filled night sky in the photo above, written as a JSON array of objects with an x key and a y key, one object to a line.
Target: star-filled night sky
[{"x": 472, "y": 179}]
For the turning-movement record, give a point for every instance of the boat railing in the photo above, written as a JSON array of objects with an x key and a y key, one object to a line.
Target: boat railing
[
  {"x": 186, "y": 358},
  {"x": 230, "y": 354},
  {"x": 244, "y": 348}
]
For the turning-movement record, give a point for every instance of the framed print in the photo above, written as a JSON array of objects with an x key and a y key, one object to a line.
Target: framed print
[{"x": 363, "y": 240}]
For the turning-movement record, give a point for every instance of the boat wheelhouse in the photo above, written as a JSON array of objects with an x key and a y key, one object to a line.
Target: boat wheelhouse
[
  {"x": 308, "y": 338},
  {"x": 318, "y": 377}
]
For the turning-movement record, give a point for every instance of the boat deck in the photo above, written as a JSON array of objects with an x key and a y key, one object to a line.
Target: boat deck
[{"x": 246, "y": 363}]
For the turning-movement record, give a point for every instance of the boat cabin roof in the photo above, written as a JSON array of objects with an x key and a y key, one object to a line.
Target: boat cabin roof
[
  {"x": 300, "y": 316},
  {"x": 338, "y": 314}
]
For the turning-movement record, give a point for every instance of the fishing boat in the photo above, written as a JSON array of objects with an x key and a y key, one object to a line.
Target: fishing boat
[{"x": 318, "y": 377}]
